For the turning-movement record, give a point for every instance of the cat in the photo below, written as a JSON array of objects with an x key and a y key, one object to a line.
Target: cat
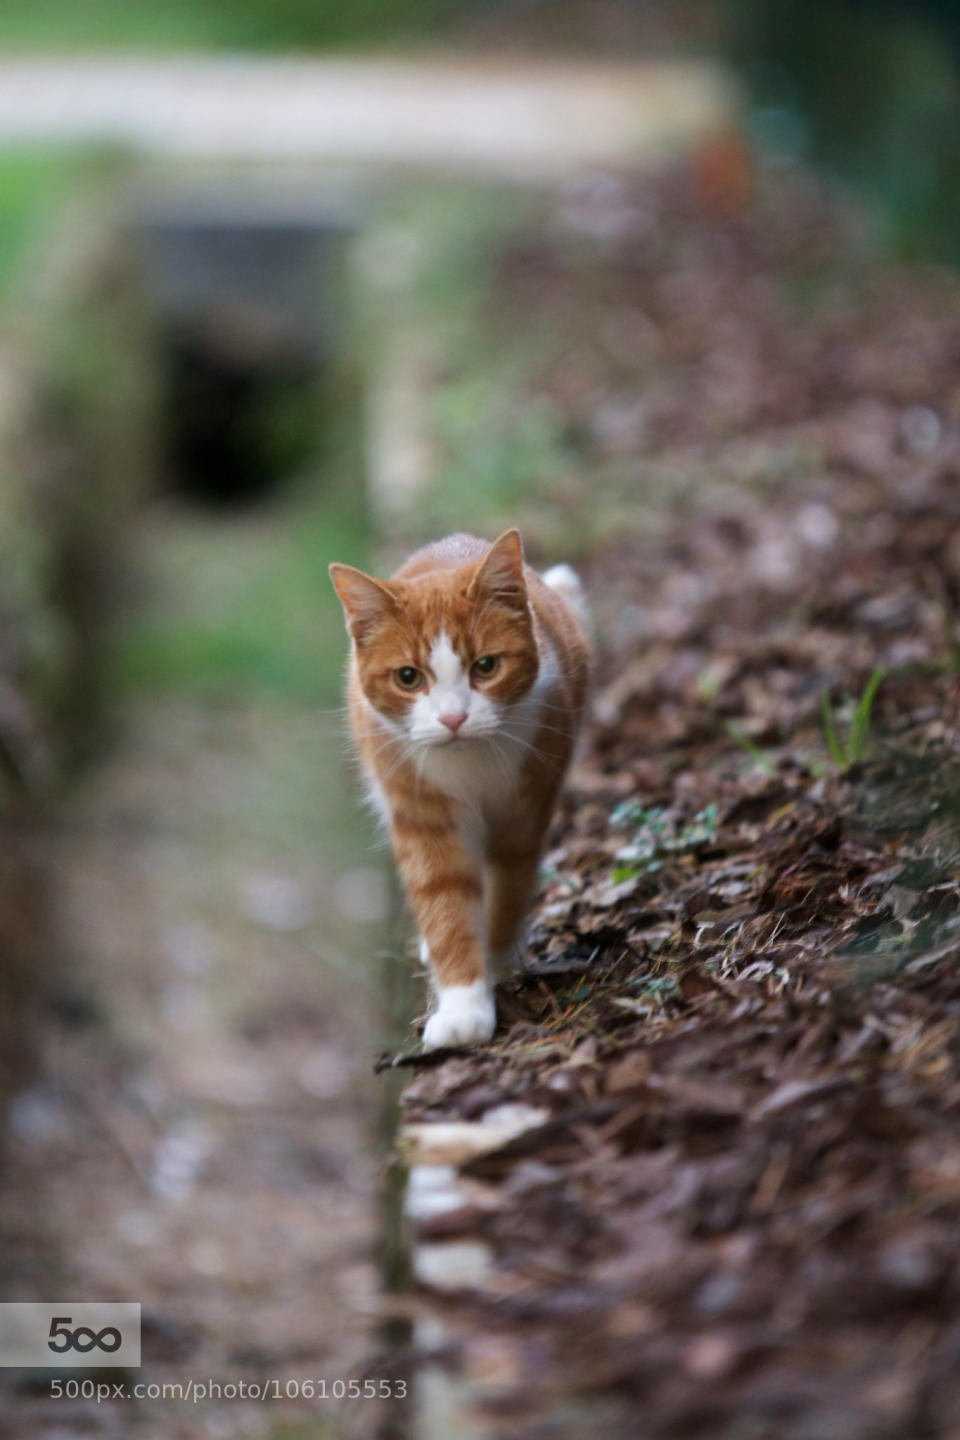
[{"x": 466, "y": 685}]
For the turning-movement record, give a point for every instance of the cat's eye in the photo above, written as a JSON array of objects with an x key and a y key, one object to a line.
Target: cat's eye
[
  {"x": 407, "y": 677},
  {"x": 486, "y": 666}
]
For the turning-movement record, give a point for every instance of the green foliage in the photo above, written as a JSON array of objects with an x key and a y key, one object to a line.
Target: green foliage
[
  {"x": 845, "y": 753},
  {"x": 656, "y": 836},
  {"x": 583, "y": 991},
  {"x": 429, "y": 289},
  {"x": 249, "y": 607},
  {"x": 655, "y": 988},
  {"x": 496, "y": 452},
  {"x": 762, "y": 761},
  {"x": 214, "y": 24},
  {"x": 872, "y": 93},
  {"x": 35, "y": 183}
]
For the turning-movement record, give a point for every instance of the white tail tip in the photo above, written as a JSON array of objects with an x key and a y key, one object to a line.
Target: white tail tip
[{"x": 566, "y": 582}]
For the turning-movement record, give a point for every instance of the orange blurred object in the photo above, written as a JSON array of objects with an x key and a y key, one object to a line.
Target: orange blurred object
[{"x": 722, "y": 174}]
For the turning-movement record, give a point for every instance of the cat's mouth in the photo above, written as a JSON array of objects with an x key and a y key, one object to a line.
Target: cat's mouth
[
  {"x": 453, "y": 737},
  {"x": 433, "y": 740}
]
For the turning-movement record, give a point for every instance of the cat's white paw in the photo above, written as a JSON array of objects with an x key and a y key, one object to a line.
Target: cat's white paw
[{"x": 465, "y": 1015}]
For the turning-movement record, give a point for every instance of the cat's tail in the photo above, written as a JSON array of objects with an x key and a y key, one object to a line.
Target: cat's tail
[{"x": 566, "y": 582}]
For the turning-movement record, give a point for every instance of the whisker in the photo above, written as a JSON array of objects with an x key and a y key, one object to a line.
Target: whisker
[
  {"x": 407, "y": 752},
  {"x": 552, "y": 704},
  {"x": 502, "y": 760},
  {"x": 519, "y": 740},
  {"x": 535, "y": 725},
  {"x": 512, "y": 773}
]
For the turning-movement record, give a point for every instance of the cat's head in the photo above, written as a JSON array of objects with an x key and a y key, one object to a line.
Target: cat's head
[{"x": 443, "y": 657}]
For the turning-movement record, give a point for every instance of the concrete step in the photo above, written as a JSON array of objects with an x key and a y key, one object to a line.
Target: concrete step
[{"x": 509, "y": 118}]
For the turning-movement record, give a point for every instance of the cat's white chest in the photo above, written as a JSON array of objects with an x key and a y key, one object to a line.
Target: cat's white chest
[{"x": 483, "y": 777}]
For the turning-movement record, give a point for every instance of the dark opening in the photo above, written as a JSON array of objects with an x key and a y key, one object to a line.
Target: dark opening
[
  {"x": 234, "y": 426},
  {"x": 246, "y": 293}
]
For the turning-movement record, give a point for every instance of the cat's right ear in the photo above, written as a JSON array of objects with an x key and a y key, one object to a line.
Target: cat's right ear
[{"x": 366, "y": 601}]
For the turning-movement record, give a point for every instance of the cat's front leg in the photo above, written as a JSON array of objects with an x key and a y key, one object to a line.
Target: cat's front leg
[
  {"x": 443, "y": 882},
  {"x": 511, "y": 879}
]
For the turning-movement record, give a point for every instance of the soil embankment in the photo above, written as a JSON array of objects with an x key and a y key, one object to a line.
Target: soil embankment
[{"x": 707, "y": 1172}]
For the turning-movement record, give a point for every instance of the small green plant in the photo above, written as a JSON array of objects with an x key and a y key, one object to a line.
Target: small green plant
[
  {"x": 655, "y": 836},
  {"x": 762, "y": 761},
  {"x": 657, "y": 987},
  {"x": 850, "y": 752},
  {"x": 580, "y": 992}
]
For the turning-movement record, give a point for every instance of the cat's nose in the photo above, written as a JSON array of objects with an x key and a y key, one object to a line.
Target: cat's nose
[{"x": 453, "y": 719}]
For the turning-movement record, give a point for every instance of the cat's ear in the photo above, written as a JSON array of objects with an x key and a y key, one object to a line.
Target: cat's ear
[
  {"x": 501, "y": 571},
  {"x": 366, "y": 601}
]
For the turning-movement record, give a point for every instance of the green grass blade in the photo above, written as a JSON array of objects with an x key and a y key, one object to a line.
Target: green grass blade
[
  {"x": 837, "y": 752},
  {"x": 860, "y": 729},
  {"x": 762, "y": 761}
]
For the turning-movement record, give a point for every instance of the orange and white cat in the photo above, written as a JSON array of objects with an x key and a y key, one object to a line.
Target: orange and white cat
[{"x": 467, "y": 680}]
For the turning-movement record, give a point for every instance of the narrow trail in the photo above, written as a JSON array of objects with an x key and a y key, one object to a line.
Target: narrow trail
[{"x": 200, "y": 1136}]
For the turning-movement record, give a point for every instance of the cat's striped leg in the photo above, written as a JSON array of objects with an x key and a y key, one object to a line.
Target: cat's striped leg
[{"x": 443, "y": 883}]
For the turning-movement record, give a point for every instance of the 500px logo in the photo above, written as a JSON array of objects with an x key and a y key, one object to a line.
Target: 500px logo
[
  {"x": 66, "y": 1333},
  {"x": 83, "y": 1338}
]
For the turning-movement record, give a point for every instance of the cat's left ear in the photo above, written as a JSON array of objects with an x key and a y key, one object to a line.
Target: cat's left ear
[
  {"x": 366, "y": 601},
  {"x": 501, "y": 571}
]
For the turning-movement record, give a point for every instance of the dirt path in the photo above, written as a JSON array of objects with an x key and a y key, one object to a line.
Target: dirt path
[{"x": 201, "y": 1135}]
